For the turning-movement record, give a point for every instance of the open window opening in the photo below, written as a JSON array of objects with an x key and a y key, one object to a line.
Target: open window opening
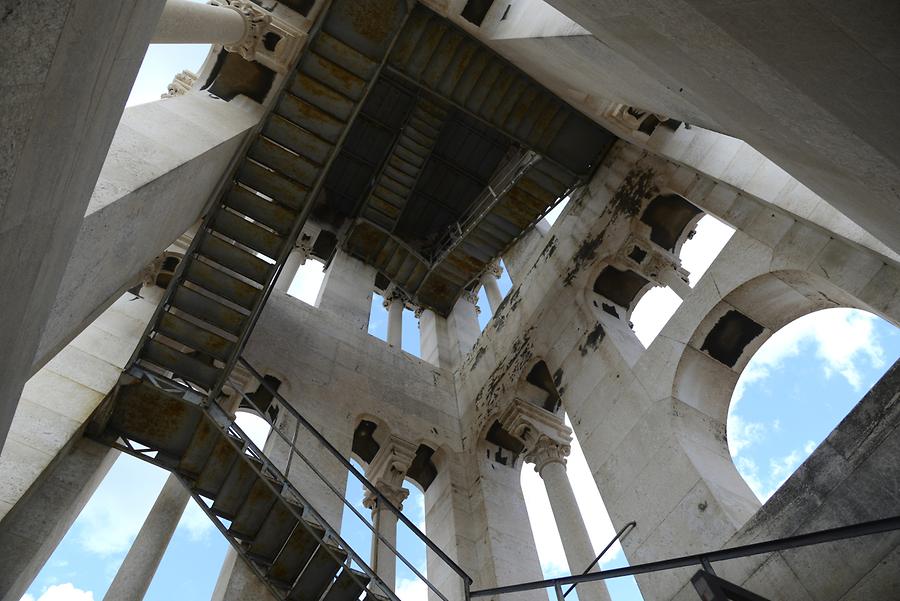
[
  {"x": 703, "y": 245},
  {"x": 307, "y": 283},
  {"x": 160, "y": 65},
  {"x": 798, "y": 386}
]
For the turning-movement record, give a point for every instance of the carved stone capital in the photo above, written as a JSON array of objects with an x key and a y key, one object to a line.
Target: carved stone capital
[
  {"x": 391, "y": 462},
  {"x": 471, "y": 297},
  {"x": 256, "y": 21},
  {"x": 267, "y": 39},
  {"x": 493, "y": 269},
  {"x": 395, "y": 295},
  {"x": 546, "y": 450},
  {"x": 395, "y": 494},
  {"x": 181, "y": 84}
]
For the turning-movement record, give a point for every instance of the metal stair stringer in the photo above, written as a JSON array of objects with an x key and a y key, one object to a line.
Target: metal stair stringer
[
  {"x": 219, "y": 290},
  {"x": 276, "y": 531}
]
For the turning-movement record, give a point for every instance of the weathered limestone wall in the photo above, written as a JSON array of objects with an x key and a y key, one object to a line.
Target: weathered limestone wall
[
  {"x": 164, "y": 165},
  {"x": 57, "y": 401},
  {"x": 850, "y": 478},
  {"x": 67, "y": 70},
  {"x": 652, "y": 424}
]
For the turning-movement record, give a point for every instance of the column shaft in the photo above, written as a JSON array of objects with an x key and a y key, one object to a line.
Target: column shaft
[
  {"x": 492, "y": 289},
  {"x": 395, "y": 323},
  {"x": 295, "y": 260},
  {"x": 185, "y": 22},
  {"x": 384, "y": 562},
  {"x": 572, "y": 531},
  {"x": 137, "y": 571}
]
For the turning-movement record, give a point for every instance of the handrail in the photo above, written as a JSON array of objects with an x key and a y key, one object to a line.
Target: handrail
[
  {"x": 771, "y": 546},
  {"x": 619, "y": 534},
  {"x": 337, "y": 493},
  {"x": 359, "y": 476}
]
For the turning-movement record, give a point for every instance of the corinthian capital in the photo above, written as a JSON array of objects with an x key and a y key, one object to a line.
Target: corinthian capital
[
  {"x": 546, "y": 450},
  {"x": 256, "y": 23}
]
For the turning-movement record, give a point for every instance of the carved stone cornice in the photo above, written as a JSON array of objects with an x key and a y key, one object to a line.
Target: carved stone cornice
[
  {"x": 543, "y": 434},
  {"x": 388, "y": 469},
  {"x": 181, "y": 84},
  {"x": 259, "y": 26}
]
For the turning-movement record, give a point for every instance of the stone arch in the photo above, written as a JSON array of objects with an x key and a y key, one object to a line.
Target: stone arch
[
  {"x": 671, "y": 218},
  {"x": 366, "y": 442}
]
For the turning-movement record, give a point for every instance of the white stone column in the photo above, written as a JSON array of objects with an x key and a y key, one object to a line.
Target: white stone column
[
  {"x": 295, "y": 260},
  {"x": 491, "y": 287},
  {"x": 434, "y": 339},
  {"x": 386, "y": 472},
  {"x": 137, "y": 571},
  {"x": 462, "y": 327},
  {"x": 185, "y": 22},
  {"x": 395, "y": 303},
  {"x": 347, "y": 289},
  {"x": 547, "y": 443}
]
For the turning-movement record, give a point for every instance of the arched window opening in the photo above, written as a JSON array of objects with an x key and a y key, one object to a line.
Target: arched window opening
[
  {"x": 261, "y": 399},
  {"x": 379, "y": 322},
  {"x": 160, "y": 64},
  {"x": 652, "y": 312},
  {"x": 702, "y": 247},
  {"x": 622, "y": 287},
  {"x": 799, "y": 385},
  {"x": 600, "y": 528},
  {"x": 364, "y": 444},
  {"x": 669, "y": 216},
  {"x": 540, "y": 376},
  {"x": 254, "y": 426},
  {"x": 307, "y": 283}
]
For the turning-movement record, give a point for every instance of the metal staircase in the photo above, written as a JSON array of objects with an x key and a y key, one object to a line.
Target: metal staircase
[
  {"x": 166, "y": 408},
  {"x": 218, "y": 292}
]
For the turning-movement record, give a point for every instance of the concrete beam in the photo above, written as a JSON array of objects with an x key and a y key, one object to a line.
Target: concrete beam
[
  {"x": 63, "y": 94},
  {"x": 165, "y": 163}
]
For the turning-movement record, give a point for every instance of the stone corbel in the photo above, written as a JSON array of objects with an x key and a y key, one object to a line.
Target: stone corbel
[
  {"x": 532, "y": 424},
  {"x": 657, "y": 265},
  {"x": 388, "y": 469},
  {"x": 267, "y": 39}
]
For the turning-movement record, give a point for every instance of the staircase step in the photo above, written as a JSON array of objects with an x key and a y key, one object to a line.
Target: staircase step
[
  {"x": 249, "y": 234},
  {"x": 317, "y": 574},
  {"x": 208, "y": 309},
  {"x": 276, "y": 186},
  {"x": 340, "y": 53},
  {"x": 333, "y": 75},
  {"x": 290, "y": 163},
  {"x": 186, "y": 333},
  {"x": 322, "y": 96},
  {"x": 195, "y": 457},
  {"x": 235, "y": 259},
  {"x": 274, "y": 531},
  {"x": 301, "y": 545},
  {"x": 310, "y": 118},
  {"x": 183, "y": 366},
  {"x": 222, "y": 284},
  {"x": 346, "y": 587},
  {"x": 218, "y": 465},
  {"x": 236, "y": 487},
  {"x": 267, "y": 212},
  {"x": 292, "y": 136},
  {"x": 249, "y": 519}
]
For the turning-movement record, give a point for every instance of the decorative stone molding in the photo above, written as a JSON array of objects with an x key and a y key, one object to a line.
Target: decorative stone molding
[
  {"x": 545, "y": 451},
  {"x": 267, "y": 39},
  {"x": 659, "y": 266},
  {"x": 395, "y": 294},
  {"x": 181, "y": 84},
  {"x": 418, "y": 312},
  {"x": 471, "y": 297},
  {"x": 493, "y": 268},
  {"x": 544, "y": 435},
  {"x": 388, "y": 469}
]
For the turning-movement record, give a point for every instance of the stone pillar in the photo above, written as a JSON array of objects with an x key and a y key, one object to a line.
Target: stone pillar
[
  {"x": 63, "y": 98},
  {"x": 519, "y": 258},
  {"x": 549, "y": 458},
  {"x": 462, "y": 326},
  {"x": 137, "y": 571},
  {"x": 186, "y": 22},
  {"x": 386, "y": 472},
  {"x": 295, "y": 260},
  {"x": 491, "y": 288},
  {"x": 347, "y": 290},
  {"x": 434, "y": 339},
  {"x": 395, "y": 302},
  {"x": 33, "y": 528},
  {"x": 547, "y": 443}
]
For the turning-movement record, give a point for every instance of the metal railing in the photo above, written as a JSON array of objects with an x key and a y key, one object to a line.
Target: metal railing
[
  {"x": 703, "y": 560},
  {"x": 619, "y": 535},
  {"x": 290, "y": 438}
]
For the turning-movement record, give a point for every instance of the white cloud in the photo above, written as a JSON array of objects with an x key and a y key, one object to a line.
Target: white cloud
[
  {"x": 114, "y": 515},
  {"x": 411, "y": 589},
  {"x": 742, "y": 434},
  {"x": 197, "y": 523},
  {"x": 62, "y": 592},
  {"x": 307, "y": 282},
  {"x": 841, "y": 338},
  {"x": 809, "y": 447}
]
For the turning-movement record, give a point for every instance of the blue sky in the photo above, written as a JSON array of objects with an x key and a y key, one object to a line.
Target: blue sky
[{"x": 795, "y": 390}]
